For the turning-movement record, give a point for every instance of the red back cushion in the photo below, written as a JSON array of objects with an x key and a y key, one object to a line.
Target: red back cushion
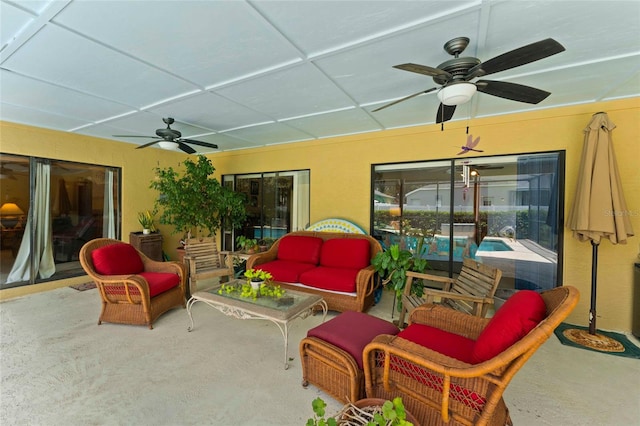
[
  {"x": 517, "y": 317},
  {"x": 345, "y": 253},
  {"x": 117, "y": 259},
  {"x": 300, "y": 248}
]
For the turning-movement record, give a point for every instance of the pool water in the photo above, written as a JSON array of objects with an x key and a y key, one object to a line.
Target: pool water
[{"x": 493, "y": 245}]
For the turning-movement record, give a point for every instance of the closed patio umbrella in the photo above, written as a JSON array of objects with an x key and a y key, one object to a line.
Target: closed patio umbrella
[{"x": 599, "y": 210}]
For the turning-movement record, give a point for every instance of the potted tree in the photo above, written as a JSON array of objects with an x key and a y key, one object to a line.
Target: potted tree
[
  {"x": 194, "y": 201},
  {"x": 392, "y": 265}
]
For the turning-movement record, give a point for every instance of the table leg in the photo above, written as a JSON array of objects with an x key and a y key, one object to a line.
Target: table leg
[{"x": 190, "y": 303}]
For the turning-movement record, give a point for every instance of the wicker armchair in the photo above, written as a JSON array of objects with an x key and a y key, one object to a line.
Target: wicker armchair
[
  {"x": 132, "y": 298},
  {"x": 441, "y": 390}
]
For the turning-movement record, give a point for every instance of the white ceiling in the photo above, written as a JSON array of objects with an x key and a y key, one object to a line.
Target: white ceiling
[{"x": 252, "y": 73}]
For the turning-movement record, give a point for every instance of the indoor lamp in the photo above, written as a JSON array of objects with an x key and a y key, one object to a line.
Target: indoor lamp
[
  {"x": 457, "y": 93},
  {"x": 10, "y": 215}
]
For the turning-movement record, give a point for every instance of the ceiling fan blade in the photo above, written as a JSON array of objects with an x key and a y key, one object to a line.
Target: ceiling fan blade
[
  {"x": 199, "y": 143},
  {"x": 445, "y": 113},
  {"x": 135, "y": 136},
  {"x": 423, "y": 69},
  {"x": 515, "y": 58},
  {"x": 513, "y": 91},
  {"x": 148, "y": 144},
  {"x": 185, "y": 148},
  {"x": 404, "y": 99}
]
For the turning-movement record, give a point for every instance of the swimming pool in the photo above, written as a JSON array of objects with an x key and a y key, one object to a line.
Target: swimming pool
[{"x": 493, "y": 245}]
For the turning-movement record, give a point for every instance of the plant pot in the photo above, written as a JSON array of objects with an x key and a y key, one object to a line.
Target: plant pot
[
  {"x": 369, "y": 405},
  {"x": 146, "y": 231},
  {"x": 256, "y": 284}
]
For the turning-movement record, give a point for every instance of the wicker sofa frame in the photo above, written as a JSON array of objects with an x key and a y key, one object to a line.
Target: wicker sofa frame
[
  {"x": 439, "y": 390},
  {"x": 365, "y": 281},
  {"x": 122, "y": 305}
]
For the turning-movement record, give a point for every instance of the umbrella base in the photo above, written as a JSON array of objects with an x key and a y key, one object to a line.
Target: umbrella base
[{"x": 596, "y": 341}]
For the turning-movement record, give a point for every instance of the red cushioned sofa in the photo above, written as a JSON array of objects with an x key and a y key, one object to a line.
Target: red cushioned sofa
[{"x": 335, "y": 265}]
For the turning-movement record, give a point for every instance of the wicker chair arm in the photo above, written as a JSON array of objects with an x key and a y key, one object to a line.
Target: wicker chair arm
[
  {"x": 260, "y": 258},
  {"x": 447, "y": 319},
  {"x": 365, "y": 281},
  {"x": 110, "y": 284}
]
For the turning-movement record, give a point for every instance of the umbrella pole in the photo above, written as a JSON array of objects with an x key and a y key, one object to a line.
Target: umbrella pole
[{"x": 594, "y": 279}]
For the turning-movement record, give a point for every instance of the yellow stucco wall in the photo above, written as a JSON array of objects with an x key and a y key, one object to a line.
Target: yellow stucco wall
[{"x": 341, "y": 167}]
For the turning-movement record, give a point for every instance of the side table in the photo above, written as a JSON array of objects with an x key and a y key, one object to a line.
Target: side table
[{"x": 149, "y": 244}]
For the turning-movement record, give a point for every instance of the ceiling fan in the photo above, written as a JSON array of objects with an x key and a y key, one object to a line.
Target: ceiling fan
[
  {"x": 455, "y": 75},
  {"x": 170, "y": 139}
]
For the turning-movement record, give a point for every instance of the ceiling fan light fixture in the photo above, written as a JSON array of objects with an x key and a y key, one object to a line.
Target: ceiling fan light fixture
[
  {"x": 457, "y": 94},
  {"x": 168, "y": 145}
]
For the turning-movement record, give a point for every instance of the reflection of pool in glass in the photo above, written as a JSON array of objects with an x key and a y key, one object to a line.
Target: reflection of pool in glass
[{"x": 493, "y": 245}]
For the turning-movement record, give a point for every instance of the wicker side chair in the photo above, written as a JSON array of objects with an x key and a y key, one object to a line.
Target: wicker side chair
[
  {"x": 129, "y": 298},
  {"x": 440, "y": 390}
]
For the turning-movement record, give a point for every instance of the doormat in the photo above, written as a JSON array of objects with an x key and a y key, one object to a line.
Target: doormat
[
  {"x": 613, "y": 343},
  {"x": 84, "y": 286}
]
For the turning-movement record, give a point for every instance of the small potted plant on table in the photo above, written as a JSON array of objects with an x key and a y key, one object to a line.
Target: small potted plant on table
[
  {"x": 146, "y": 220},
  {"x": 257, "y": 277}
]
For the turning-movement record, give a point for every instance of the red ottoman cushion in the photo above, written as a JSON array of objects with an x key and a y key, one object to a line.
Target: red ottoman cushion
[
  {"x": 449, "y": 344},
  {"x": 517, "y": 317},
  {"x": 117, "y": 259},
  {"x": 351, "y": 331}
]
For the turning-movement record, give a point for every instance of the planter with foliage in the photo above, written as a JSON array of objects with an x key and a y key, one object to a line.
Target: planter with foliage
[
  {"x": 146, "y": 220},
  {"x": 248, "y": 245},
  {"x": 194, "y": 201},
  {"x": 393, "y": 264},
  {"x": 365, "y": 412}
]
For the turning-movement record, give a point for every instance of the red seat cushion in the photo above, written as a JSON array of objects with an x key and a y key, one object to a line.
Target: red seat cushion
[
  {"x": 117, "y": 259},
  {"x": 345, "y": 253},
  {"x": 300, "y": 248},
  {"x": 336, "y": 279},
  {"x": 285, "y": 271},
  {"x": 159, "y": 282},
  {"x": 517, "y": 317},
  {"x": 351, "y": 331},
  {"x": 449, "y": 344}
]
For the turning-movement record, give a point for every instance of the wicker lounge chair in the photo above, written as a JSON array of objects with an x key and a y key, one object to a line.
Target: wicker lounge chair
[
  {"x": 440, "y": 390},
  {"x": 130, "y": 298}
]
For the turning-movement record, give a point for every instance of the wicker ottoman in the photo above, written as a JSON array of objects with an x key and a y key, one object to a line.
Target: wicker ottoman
[{"x": 331, "y": 354}]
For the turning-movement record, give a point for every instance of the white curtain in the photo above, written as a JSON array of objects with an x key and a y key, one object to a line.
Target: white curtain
[
  {"x": 40, "y": 221},
  {"x": 108, "y": 216}
]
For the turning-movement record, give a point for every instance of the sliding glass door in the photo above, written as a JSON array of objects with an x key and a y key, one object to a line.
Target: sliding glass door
[
  {"x": 50, "y": 208},
  {"x": 277, "y": 203},
  {"x": 504, "y": 211}
]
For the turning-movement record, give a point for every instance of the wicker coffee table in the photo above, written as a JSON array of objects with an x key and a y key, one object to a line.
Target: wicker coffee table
[{"x": 282, "y": 312}]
